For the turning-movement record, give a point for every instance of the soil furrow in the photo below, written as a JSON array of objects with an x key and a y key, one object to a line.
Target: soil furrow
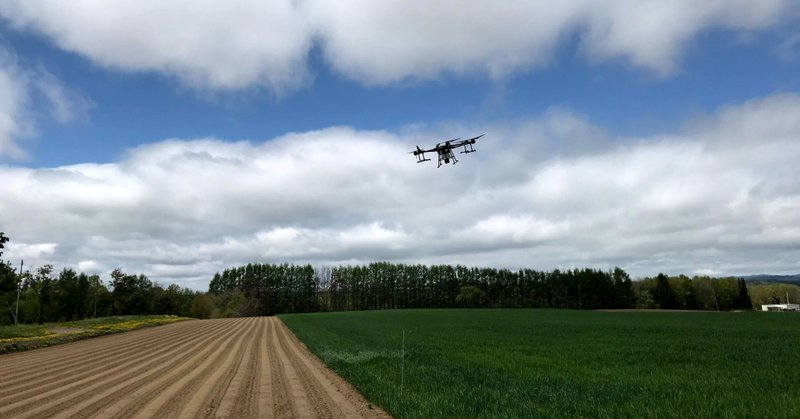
[
  {"x": 80, "y": 350},
  {"x": 237, "y": 399},
  {"x": 43, "y": 358},
  {"x": 109, "y": 368},
  {"x": 332, "y": 388},
  {"x": 127, "y": 398},
  {"x": 170, "y": 401},
  {"x": 75, "y": 397},
  {"x": 236, "y": 368},
  {"x": 283, "y": 406},
  {"x": 206, "y": 400},
  {"x": 266, "y": 401},
  {"x": 57, "y": 377},
  {"x": 301, "y": 405},
  {"x": 316, "y": 394}
]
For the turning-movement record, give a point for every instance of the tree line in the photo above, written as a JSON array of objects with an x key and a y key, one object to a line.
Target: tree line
[
  {"x": 697, "y": 293},
  {"x": 42, "y": 295},
  {"x": 265, "y": 289}
]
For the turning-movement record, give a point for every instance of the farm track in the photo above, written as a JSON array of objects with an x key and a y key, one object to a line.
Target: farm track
[{"x": 242, "y": 368}]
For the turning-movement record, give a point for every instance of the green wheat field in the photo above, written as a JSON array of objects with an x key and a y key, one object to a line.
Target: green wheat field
[{"x": 562, "y": 363}]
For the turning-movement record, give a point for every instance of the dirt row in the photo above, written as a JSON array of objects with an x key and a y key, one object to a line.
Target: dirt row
[{"x": 242, "y": 368}]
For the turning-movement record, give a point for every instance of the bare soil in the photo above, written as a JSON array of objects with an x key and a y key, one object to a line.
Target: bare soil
[{"x": 238, "y": 368}]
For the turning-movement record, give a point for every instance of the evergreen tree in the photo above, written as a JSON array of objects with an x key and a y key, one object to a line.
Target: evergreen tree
[
  {"x": 663, "y": 295},
  {"x": 744, "y": 302},
  {"x": 623, "y": 290}
]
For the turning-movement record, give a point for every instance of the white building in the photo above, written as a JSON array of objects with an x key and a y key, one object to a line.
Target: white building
[{"x": 780, "y": 307}]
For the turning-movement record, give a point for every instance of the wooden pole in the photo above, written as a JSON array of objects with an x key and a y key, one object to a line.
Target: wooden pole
[{"x": 19, "y": 289}]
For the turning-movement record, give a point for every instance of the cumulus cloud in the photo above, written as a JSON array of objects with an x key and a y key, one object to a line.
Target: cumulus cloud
[
  {"x": 203, "y": 43},
  {"x": 230, "y": 46},
  {"x": 720, "y": 196},
  {"x": 652, "y": 34},
  {"x": 381, "y": 42}
]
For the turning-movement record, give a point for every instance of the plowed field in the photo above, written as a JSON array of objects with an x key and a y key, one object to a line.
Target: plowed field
[{"x": 248, "y": 367}]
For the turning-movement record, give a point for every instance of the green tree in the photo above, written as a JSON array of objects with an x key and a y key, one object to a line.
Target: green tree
[
  {"x": 42, "y": 286},
  {"x": 131, "y": 294},
  {"x": 471, "y": 296},
  {"x": 72, "y": 291},
  {"x": 662, "y": 294},
  {"x": 773, "y": 293},
  {"x": 727, "y": 290},
  {"x": 9, "y": 282},
  {"x": 623, "y": 289},
  {"x": 683, "y": 291},
  {"x": 705, "y": 296},
  {"x": 3, "y": 240},
  {"x": 743, "y": 302},
  {"x": 202, "y": 306},
  {"x": 643, "y": 293}
]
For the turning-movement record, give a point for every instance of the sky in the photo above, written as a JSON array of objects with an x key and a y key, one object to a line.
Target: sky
[{"x": 179, "y": 138}]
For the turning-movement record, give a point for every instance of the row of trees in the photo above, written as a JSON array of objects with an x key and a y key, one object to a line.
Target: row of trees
[
  {"x": 697, "y": 293},
  {"x": 265, "y": 289},
  {"x": 268, "y": 289},
  {"x": 774, "y": 293},
  {"x": 42, "y": 296},
  {"x": 258, "y": 289}
]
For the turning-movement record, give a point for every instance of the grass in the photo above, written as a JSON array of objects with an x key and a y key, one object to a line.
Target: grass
[
  {"x": 561, "y": 363},
  {"x": 28, "y": 336}
]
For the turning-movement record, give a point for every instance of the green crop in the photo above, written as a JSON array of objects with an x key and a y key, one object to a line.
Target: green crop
[{"x": 562, "y": 363}]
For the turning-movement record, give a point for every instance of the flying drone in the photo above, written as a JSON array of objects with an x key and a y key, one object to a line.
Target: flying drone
[{"x": 445, "y": 150}]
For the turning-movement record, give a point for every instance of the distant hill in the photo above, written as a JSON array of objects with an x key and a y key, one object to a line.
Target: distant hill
[{"x": 763, "y": 278}]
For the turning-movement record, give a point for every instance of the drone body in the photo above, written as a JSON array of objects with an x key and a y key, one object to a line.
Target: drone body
[{"x": 445, "y": 151}]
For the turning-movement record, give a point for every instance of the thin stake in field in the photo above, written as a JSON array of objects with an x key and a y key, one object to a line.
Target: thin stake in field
[{"x": 402, "y": 365}]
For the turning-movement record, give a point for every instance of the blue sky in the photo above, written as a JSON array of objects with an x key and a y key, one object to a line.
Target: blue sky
[
  {"x": 105, "y": 109},
  {"x": 131, "y": 108}
]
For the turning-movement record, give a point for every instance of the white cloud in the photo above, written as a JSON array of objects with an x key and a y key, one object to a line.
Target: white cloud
[
  {"x": 789, "y": 48},
  {"x": 721, "y": 196},
  {"x": 387, "y": 41},
  {"x": 232, "y": 46},
  {"x": 66, "y": 105},
  {"x": 653, "y": 33},
  {"x": 22, "y": 92},
  {"x": 36, "y": 251},
  {"x": 92, "y": 267},
  {"x": 224, "y": 45},
  {"x": 15, "y": 122}
]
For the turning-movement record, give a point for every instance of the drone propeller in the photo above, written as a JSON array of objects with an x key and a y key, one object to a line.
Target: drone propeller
[
  {"x": 475, "y": 138},
  {"x": 417, "y": 151}
]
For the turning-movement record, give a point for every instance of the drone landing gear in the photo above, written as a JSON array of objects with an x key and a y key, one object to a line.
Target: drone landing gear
[{"x": 446, "y": 156}]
